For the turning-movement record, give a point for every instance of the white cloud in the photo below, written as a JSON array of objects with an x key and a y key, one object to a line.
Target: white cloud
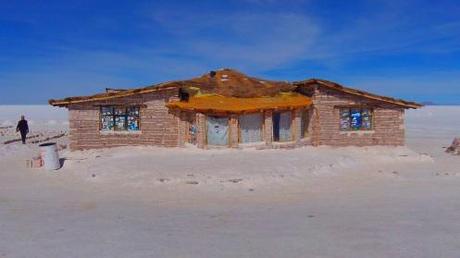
[
  {"x": 253, "y": 40},
  {"x": 261, "y": 40},
  {"x": 244, "y": 40}
]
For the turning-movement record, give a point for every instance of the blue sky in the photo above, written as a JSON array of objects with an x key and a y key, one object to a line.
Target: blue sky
[{"x": 52, "y": 49}]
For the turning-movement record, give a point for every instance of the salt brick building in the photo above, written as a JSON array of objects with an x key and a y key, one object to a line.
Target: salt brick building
[{"x": 226, "y": 108}]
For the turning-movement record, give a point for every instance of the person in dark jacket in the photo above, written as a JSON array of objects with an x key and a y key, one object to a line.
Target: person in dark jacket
[{"x": 23, "y": 128}]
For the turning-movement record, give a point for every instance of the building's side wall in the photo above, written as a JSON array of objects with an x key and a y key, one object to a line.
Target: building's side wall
[
  {"x": 201, "y": 134},
  {"x": 159, "y": 126},
  {"x": 388, "y": 121},
  {"x": 163, "y": 127}
]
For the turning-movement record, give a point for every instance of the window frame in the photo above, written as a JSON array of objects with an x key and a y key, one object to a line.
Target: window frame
[
  {"x": 361, "y": 109},
  {"x": 291, "y": 126},
  {"x": 125, "y": 115}
]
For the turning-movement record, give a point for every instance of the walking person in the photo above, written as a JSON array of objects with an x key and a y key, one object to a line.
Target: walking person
[{"x": 23, "y": 128}]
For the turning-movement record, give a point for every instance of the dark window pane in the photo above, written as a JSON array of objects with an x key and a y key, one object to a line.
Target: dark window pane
[
  {"x": 356, "y": 118},
  {"x": 107, "y": 111},
  {"x": 120, "y": 111},
  {"x": 120, "y": 123},
  {"x": 366, "y": 119},
  {"x": 107, "y": 123},
  {"x": 133, "y": 111},
  {"x": 133, "y": 123},
  {"x": 345, "y": 119}
]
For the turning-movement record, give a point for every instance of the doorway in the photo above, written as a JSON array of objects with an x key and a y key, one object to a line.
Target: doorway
[
  {"x": 191, "y": 133},
  {"x": 282, "y": 126},
  {"x": 251, "y": 128},
  {"x": 217, "y": 131}
]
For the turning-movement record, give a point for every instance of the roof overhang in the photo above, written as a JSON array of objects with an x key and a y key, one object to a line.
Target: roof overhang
[
  {"x": 359, "y": 93},
  {"x": 111, "y": 95},
  {"x": 213, "y": 103},
  {"x": 233, "y": 85},
  {"x": 225, "y": 82}
]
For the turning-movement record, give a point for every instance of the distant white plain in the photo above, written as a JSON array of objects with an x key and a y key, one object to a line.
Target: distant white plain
[
  {"x": 35, "y": 114},
  {"x": 172, "y": 202}
]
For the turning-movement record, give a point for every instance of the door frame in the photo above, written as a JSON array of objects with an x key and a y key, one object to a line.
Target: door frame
[
  {"x": 262, "y": 127},
  {"x": 228, "y": 130},
  {"x": 291, "y": 124}
]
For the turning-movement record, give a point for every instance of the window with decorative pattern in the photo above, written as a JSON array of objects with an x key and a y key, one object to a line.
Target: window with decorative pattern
[
  {"x": 117, "y": 118},
  {"x": 356, "y": 119}
]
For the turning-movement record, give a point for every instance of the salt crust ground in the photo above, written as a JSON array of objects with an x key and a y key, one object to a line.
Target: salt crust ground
[{"x": 308, "y": 202}]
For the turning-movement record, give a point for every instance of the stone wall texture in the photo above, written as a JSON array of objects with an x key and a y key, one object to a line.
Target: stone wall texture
[
  {"x": 163, "y": 127},
  {"x": 159, "y": 126},
  {"x": 388, "y": 121}
]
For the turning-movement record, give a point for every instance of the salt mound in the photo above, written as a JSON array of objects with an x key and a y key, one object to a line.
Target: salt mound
[{"x": 454, "y": 148}]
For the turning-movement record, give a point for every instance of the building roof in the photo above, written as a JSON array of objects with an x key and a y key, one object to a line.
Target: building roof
[
  {"x": 213, "y": 103},
  {"x": 225, "y": 82},
  {"x": 355, "y": 92},
  {"x": 229, "y": 83}
]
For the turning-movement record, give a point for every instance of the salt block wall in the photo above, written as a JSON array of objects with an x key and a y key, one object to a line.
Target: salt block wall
[
  {"x": 162, "y": 127},
  {"x": 268, "y": 127},
  {"x": 234, "y": 131},
  {"x": 201, "y": 134},
  {"x": 159, "y": 126},
  {"x": 388, "y": 126}
]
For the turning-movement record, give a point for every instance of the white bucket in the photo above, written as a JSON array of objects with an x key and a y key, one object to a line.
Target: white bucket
[{"x": 50, "y": 156}]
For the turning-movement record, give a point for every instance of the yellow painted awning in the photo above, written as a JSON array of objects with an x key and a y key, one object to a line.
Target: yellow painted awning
[{"x": 221, "y": 104}]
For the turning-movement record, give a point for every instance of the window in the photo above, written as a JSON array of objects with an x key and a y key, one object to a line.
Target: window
[
  {"x": 183, "y": 95},
  {"x": 114, "y": 118},
  {"x": 355, "y": 119}
]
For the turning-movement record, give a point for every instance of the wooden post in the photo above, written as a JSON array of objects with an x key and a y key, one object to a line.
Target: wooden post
[
  {"x": 201, "y": 133},
  {"x": 182, "y": 132},
  {"x": 234, "y": 128},
  {"x": 268, "y": 127},
  {"x": 297, "y": 125}
]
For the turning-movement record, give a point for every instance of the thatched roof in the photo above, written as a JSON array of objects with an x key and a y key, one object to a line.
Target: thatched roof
[
  {"x": 213, "y": 103},
  {"x": 229, "y": 83},
  {"x": 335, "y": 86},
  {"x": 225, "y": 82}
]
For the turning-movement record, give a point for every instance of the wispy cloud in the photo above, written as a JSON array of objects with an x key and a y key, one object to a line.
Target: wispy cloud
[
  {"x": 263, "y": 40},
  {"x": 379, "y": 45},
  {"x": 245, "y": 40},
  {"x": 389, "y": 28}
]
